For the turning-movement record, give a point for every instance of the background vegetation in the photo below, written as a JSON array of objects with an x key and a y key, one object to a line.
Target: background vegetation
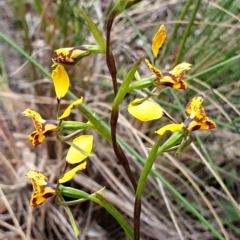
[{"x": 206, "y": 175}]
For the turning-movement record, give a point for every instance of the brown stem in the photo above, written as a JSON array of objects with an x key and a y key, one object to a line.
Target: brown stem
[
  {"x": 118, "y": 150},
  {"x": 113, "y": 122},
  {"x": 114, "y": 115},
  {"x": 137, "y": 213},
  {"x": 109, "y": 56}
]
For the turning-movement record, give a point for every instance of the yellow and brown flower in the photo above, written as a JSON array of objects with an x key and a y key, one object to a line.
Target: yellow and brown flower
[
  {"x": 196, "y": 119},
  {"x": 43, "y": 127},
  {"x": 42, "y": 190}
]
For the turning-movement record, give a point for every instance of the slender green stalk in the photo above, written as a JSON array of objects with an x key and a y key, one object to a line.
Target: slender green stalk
[
  {"x": 71, "y": 218},
  {"x": 186, "y": 32},
  {"x": 124, "y": 88},
  {"x": 75, "y": 193},
  {"x": 73, "y": 125},
  {"x": 101, "y": 42},
  {"x": 143, "y": 83},
  {"x": 141, "y": 183},
  {"x": 214, "y": 67},
  {"x": 173, "y": 34},
  {"x": 171, "y": 142},
  {"x": 147, "y": 167}
]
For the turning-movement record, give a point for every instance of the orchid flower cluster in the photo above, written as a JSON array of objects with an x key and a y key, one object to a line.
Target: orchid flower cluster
[
  {"x": 80, "y": 147},
  {"x": 144, "y": 109}
]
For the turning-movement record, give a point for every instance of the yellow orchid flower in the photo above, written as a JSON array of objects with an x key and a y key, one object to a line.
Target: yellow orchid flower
[
  {"x": 174, "y": 78},
  {"x": 158, "y": 40},
  {"x": 69, "y": 55},
  {"x": 43, "y": 127},
  {"x": 42, "y": 190},
  {"x": 61, "y": 81},
  {"x": 74, "y": 155},
  {"x": 145, "y": 110},
  {"x": 196, "y": 119}
]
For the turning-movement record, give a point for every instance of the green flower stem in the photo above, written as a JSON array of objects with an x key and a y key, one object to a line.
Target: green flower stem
[
  {"x": 71, "y": 218},
  {"x": 72, "y": 125},
  {"x": 97, "y": 198},
  {"x": 93, "y": 49},
  {"x": 64, "y": 138},
  {"x": 123, "y": 89},
  {"x": 147, "y": 167},
  {"x": 144, "y": 83},
  {"x": 98, "y": 123},
  {"x": 106, "y": 133},
  {"x": 141, "y": 183},
  {"x": 119, "y": 7},
  {"x": 171, "y": 142}
]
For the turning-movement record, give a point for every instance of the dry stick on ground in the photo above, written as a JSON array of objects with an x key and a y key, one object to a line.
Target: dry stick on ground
[{"x": 15, "y": 221}]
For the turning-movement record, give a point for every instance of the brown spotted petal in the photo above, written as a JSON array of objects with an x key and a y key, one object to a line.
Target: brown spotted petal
[
  {"x": 69, "y": 56},
  {"x": 42, "y": 190}
]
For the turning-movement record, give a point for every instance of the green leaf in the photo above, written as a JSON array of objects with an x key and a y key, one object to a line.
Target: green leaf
[
  {"x": 100, "y": 40},
  {"x": 123, "y": 90}
]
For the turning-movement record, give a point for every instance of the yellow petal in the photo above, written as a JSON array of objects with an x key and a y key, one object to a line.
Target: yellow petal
[
  {"x": 39, "y": 179},
  {"x": 194, "y": 109},
  {"x": 203, "y": 124},
  {"x": 61, "y": 81},
  {"x": 36, "y": 137},
  {"x": 156, "y": 71},
  {"x": 158, "y": 40},
  {"x": 84, "y": 142},
  {"x": 70, "y": 174},
  {"x": 174, "y": 127},
  {"x": 207, "y": 124},
  {"x": 48, "y": 127},
  {"x": 36, "y": 117},
  {"x": 180, "y": 69},
  {"x": 38, "y": 198},
  {"x": 169, "y": 80},
  {"x": 67, "y": 112},
  {"x": 41, "y": 189},
  {"x": 63, "y": 51},
  {"x": 145, "y": 111}
]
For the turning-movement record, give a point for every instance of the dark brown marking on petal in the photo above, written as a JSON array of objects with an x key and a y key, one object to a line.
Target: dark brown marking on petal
[
  {"x": 183, "y": 84},
  {"x": 48, "y": 195},
  {"x": 167, "y": 84},
  {"x": 195, "y": 128},
  {"x": 210, "y": 124},
  {"x": 168, "y": 74},
  {"x": 47, "y": 133},
  {"x": 36, "y": 142},
  {"x": 34, "y": 202}
]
